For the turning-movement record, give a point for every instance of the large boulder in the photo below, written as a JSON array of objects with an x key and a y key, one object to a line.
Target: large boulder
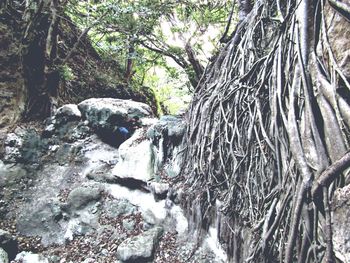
[
  {"x": 107, "y": 113},
  {"x": 136, "y": 160},
  {"x": 139, "y": 248},
  {"x": 79, "y": 197}
]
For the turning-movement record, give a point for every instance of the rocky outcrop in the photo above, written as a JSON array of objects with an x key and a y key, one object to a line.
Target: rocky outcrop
[
  {"x": 140, "y": 248},
  {"x": 341, "y": 215},
  {"x": 85, "y": 74},
  {"x": 82, "y": 200},
  {"x": 12, "y": 89},
  {"x": 167, "y": 135},
  {"x": 106, "y": 113},
  {"x": 136, "y": 160}
]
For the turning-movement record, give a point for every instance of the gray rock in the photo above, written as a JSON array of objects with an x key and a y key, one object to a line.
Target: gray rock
[
  {"x": 29, "y": 257},
  {"x": 8, "y": 243},
  {"x": 341, "y": 223},
  {"x": 160, "y": 190},
  {"x": 89, "y": 260},
  {"x": 13, "y": 144},
  {"x": 79, "y": 197},
  {"x": 77, "y": 227},
  {"x": 149, "y": 218},
  {"x": 129, "y": 224},
  {"x": 107, "y": 113},
  {"x": 23, "y": 146},
  {"x": 115, "y": 208},
  {"x": 3, "y": 256},
  {"x": 166, "y": 135},
  {"x": 169, "y": 127},
  {"x": 64, "y": 114},
  {"x": 139, "y": 248},
  {"x": 54, "y": 259},
  {"x": 11, "y": 174},
  {"x": 49, "y": 129},
  {"x": 69, "y": 111},
  {"x": 136, "y": 159},
  {"x": 42, "y": 219},
  {"x": 13, "y": 140}
]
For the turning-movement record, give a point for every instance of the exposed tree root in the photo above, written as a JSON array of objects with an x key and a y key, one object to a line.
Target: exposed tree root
[{"x": 268, "y": 126}]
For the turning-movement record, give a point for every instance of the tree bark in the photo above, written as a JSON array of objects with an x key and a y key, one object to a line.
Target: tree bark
[{"x": 39, "y": 54}]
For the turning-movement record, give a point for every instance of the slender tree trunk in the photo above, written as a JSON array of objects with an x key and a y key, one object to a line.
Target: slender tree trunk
[
  {"x": 130, "y": 61},
  {"x": 39, "y": 54}
]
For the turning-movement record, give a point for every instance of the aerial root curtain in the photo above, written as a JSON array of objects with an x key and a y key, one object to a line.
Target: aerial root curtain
[{"x": 269, "y": 130}]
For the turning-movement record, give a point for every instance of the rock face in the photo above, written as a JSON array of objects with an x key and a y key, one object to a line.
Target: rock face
[
  {"x": 167, "y": 136},
  {"x": 341, "y": 223},
  {"x": 140, "y": 248},
  {"x": 12, "y": 89},
  {"x": 136, "y": 159}
]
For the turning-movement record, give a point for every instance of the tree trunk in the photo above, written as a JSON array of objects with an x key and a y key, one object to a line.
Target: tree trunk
[
  {"x": 39, "y": 54},
  {"x": 130, "y": 61}
]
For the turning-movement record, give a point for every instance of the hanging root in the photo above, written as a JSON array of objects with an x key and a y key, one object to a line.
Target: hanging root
[{"x": 268, "y": 127}]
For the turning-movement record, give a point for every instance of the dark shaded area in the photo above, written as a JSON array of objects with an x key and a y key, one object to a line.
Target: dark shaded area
[
  {"x": 132, "y": 184},
  {"x": 10, "y": 245},
  {"x": 111, "y": 137}
]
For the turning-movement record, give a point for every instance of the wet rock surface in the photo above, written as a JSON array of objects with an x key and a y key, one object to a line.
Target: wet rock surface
[
  {"x": 341, "y": 215},
  {"x": 139, "y": 248},
  {"x": 67, "y": 196}
]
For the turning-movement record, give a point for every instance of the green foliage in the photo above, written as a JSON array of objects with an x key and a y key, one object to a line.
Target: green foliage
[
  {"x": 120, "y": 28},
  {"x": 66, "y": 73}
]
